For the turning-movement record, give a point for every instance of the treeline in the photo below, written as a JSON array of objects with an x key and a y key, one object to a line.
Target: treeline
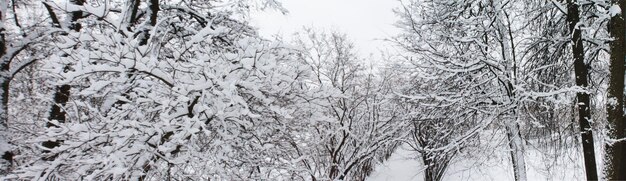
[{"x": 188, "y": 90}]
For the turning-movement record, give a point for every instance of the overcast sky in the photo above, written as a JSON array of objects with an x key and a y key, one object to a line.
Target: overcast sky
[{"x": 364, "y": 21}]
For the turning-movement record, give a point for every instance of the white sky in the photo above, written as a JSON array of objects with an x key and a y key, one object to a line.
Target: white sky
[{"x": 365, "y": 22}]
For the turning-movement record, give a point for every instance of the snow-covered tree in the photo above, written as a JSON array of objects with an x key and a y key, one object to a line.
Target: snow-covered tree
[
  {"x": 177, "y": 90},
  {"x": 351, "y": 122},
  {"x": 485, "y": 56},
  {"x": 23, "y": 42}
]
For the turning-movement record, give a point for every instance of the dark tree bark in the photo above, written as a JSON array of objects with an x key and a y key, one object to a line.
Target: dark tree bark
[
  {"x": 153, "y": 12},
  {"x": 61, "y": 95},
  {"x": 134, "y": 7},
  {"x": 4, "y": 65},
  {"x": 427, "y": 134},
  {"x": 583, "y": 103},
  {"x": 615, "y": 162},
  {"x": 4, "y": 83}
]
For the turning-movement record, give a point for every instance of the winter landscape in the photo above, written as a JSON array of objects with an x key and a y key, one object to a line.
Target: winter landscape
[{"x": 324, "y": 90}]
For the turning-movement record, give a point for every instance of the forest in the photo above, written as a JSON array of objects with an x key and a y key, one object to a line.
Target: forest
[{"x": 189, "y": 90}]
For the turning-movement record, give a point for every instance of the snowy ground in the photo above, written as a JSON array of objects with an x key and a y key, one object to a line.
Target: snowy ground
[{"x": 492, "y": 164}]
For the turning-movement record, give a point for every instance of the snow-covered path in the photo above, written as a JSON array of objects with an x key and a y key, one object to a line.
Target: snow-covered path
[
  {"x": 400, "y": 166},
  {"x": 494, "y": 166}
]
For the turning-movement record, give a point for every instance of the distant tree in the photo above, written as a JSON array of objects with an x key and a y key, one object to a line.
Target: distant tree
[
  {"x": 351, "y": 122},
  {"x": 438, "y": 132}
]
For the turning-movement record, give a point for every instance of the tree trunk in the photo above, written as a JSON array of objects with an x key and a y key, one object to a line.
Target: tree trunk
[
  {"x": 62, "y": 93},
  {"x": 3, "y": 65},
  {"x": 436, "y": 163},
  {"x": 615, "y": 168},
  {"x": 153, "y": 13},
  {"x": 6, "y": 153},
  {"x": 583, "y": 103},
  {"x": 516, "y": 143}
]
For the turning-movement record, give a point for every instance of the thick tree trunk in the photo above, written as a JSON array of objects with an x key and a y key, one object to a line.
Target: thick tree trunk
[
  {"x": 615, "y": 156},
  {"x": 583, "y": 103}
]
